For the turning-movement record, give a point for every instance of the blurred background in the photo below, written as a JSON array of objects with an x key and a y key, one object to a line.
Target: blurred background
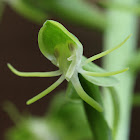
[{"x": 19, "y": 46}]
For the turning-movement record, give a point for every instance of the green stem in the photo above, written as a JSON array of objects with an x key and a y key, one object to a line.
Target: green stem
[{"x": 121, "y": 25}]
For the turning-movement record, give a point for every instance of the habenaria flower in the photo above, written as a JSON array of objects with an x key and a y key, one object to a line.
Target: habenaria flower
[{"x": 65, "y": 51}]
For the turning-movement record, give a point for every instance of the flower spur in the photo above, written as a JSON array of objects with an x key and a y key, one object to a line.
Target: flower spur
[{"x": 65, "y": 51}]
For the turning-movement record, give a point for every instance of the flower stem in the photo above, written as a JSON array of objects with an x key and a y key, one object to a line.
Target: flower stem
[{"x": 121, "y": 25}]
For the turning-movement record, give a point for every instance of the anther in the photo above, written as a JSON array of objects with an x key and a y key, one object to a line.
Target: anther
[
  {"x": 71, "y": 47},
  {"x": 56, "y": 53}
]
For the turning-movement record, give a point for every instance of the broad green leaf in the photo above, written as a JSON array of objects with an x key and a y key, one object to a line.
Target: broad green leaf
[
  {"x": 79, "y": 12},
  {"x": 96, "y": 119},
  {"x": 28, "y": 10}
]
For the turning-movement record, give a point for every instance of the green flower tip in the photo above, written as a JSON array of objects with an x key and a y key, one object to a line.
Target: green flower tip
[
  {"x": 28, "y": 102},
  {"x": 65, "y": 51},
  {"x": 9, "y": 66},
  {"x": 12, "y": 68}
]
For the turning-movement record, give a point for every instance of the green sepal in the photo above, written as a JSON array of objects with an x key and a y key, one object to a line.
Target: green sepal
[
  {"x": 96, "y": 119},
  {"x": 54, "y": 37},
  {"x": 58, "y": 44},
  {"x": 100, "y": 81}
]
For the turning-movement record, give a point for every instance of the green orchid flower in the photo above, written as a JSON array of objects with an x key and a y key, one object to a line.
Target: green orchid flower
[{"x": 65, "y": 51}]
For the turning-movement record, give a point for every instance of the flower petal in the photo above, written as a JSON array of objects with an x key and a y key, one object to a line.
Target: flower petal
[
  {"x": 80, "y": 91},
  {"x": 47, "y": 91},
  {"x": 100, "y": 81}
]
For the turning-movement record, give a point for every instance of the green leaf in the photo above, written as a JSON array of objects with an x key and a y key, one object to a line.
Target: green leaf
[
  {"x": 28, "y": 10},
  {"x": 100, "y": 81},
  {"x": 76, "y": 11},
  {"x": 96, "y": 119},
  {"x": 79, "y": 12}
]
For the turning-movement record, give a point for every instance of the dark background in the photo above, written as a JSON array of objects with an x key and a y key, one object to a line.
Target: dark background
[{"x": 19, "y": 46}]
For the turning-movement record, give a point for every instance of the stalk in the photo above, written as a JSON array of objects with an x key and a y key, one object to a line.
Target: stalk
[{"x": 121, "y": 25}]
